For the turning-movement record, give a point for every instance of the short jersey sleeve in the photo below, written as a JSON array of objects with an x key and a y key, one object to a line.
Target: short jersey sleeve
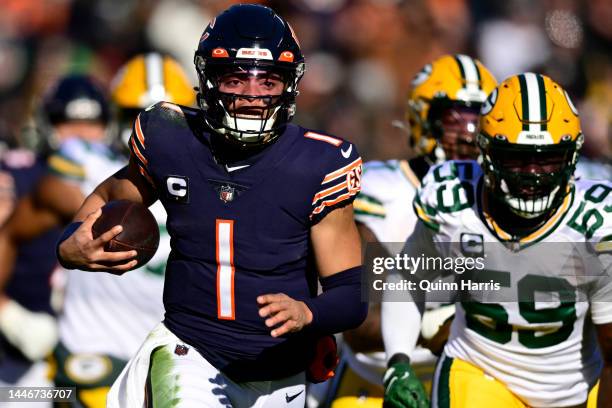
[
  {"x": 600, "y": 241},
  {"x": 341, "y": 179},
  {"x": 601, "y": 296}
]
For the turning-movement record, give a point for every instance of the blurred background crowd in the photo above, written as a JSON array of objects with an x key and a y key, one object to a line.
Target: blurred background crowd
[{"x": 360, "y": 54}]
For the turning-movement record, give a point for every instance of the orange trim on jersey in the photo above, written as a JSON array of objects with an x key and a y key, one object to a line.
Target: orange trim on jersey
[
  {"x": 342, "y": 171},
  {"x": 329, "y": 191},
  {"x": 232, "y": 268},
  {"x": 139, "y": 133},
  {"x": 137, "y": 152},
  {"x": 323, "y": 138},
  {"x": 328, "y": 203},
  {"x": 409, "y": 174},
  {"x": 144, "y": 173}
]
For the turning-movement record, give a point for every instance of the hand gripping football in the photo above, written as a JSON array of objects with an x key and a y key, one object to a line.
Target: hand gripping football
[{"x": 140, "y": 230}]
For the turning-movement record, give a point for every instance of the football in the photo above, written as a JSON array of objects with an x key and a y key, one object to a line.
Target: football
[{"x": 140, "y": 230}]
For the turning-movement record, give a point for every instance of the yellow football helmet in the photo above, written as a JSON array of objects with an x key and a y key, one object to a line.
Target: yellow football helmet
[
  {"x": 144, "y": 80},
  {"x": 451, "y": 80},
  {"x": 529, "y": 138}
]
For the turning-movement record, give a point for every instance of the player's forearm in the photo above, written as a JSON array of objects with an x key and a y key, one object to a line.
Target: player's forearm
[
  {"x": 367, "y": 337},
  {"x": 123, "y": 185},
  {"x": 340, "y": 307},
  {"x": 400, "y": 321},
  {"x": 8, "y": 254},
  {"x": 94, "y": 201}
]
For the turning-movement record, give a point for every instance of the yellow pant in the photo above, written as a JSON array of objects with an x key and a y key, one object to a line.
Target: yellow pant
[
  {"x": 462, "y": 385},
  {"x": 353, "y": 391}
]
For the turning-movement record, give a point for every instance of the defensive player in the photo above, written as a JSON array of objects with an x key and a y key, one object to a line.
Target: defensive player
[
  {"x": 27, "y": 258},
  {"x": 257, "y": 209},
  {"x": 532, "y": 341},
  {"x": 442, "y": 113},
  {"x": 103, "y": 320}
]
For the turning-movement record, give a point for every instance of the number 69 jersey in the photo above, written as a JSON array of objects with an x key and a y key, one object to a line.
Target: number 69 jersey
[{"x": 532, "y": 326}]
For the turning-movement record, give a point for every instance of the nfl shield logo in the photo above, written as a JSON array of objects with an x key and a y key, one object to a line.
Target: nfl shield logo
[{"x": 226, "y": 193}]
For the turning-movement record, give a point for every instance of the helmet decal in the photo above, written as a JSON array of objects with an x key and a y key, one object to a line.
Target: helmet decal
[
  {"x": 570, "y": 103},
  {"x": 422, "y": 75},
  {"x": 489, "y": 103},
  {"x": 529, "y": 141}
]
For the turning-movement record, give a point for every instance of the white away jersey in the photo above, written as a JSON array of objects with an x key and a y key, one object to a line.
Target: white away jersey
[
  {"x": 593, "y": 170},
  {"x": 103, "y": 313},
  {"x": 535, "y": 331},
  {"x": 384, "y": 204}
]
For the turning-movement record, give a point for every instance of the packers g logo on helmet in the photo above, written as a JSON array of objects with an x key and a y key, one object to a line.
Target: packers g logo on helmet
[
  {"x": 529, "y": 137},
  {"x": 451, "y": 79}
]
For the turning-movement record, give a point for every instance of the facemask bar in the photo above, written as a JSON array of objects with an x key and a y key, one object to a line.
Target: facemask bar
[
  {"x": 529, "y": 194},
  {"x": 242, "y": 126}
]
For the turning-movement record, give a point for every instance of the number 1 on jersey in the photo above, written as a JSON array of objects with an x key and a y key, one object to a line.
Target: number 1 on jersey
[{"x": 225, "y": 269}]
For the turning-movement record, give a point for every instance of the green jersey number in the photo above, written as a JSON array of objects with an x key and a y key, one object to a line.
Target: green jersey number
[
  {"x": 449, "y": 199},
  {"x": 588, "y": 222},
  {"x": 491, "y": 320}
]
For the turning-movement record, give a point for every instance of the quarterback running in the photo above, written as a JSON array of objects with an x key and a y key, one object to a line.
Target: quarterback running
[{"x": 259, "y": 209}]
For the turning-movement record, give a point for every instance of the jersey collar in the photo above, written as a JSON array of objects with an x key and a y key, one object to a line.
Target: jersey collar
[{"x": 546, "y": 229}]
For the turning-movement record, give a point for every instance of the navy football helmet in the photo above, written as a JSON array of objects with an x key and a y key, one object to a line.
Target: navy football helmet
[
  {"x": 76, "y": 98},
  {"x": 248, "y": 39}
]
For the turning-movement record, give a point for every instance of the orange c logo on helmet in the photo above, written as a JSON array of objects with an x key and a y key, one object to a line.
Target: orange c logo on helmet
[
  {"x": 220, "y": 53},
  {"x": 286, "y": 56}
]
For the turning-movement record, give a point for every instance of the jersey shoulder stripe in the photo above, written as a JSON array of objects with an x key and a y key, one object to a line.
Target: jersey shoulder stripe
[
  {"x": 383, "y": 184},
  {"x": 65, "y": 168},
  {"x": 341, "y": 170},
  {"x": 323, "y": 138},
  {"x": 367, "y": 205}
]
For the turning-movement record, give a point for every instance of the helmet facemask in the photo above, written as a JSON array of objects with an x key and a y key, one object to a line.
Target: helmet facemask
[
  {"x": 248, "y": 119},
  {"x": 455, "y": 127},
  {"x": 531, "y": 180}
]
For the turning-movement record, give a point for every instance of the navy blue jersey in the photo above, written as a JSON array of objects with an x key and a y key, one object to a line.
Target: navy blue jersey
[
  {"x": 29, "y": 284},
  {"x": 238, "y": 231}
]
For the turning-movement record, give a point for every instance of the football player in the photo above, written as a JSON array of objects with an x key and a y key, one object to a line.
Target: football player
[
  {"x": 257, "y": 207},
  {"x": 103, "y": 320},
  {"x": 532, "y": 342},
  {"x": 442, "y": 113},
  {"x": 74, "y": 105}
]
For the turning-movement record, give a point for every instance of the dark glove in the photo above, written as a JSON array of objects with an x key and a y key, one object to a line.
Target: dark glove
[{"x": 325, "y": 360}]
